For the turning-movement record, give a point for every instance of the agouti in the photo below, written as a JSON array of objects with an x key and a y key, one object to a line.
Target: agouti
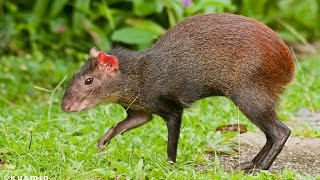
[{"x": 205, "y": 55}]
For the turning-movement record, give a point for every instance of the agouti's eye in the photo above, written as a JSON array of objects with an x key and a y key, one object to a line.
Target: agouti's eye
[{"x": 88, "y": 81}]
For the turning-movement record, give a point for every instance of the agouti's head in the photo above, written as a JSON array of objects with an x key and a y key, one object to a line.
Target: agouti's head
[{"x": 93, "y": 84}]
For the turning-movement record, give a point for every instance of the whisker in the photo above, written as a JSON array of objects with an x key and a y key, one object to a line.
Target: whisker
[
  {"x": 86, "y": 99},
  {"x": 106, "y": 115}
]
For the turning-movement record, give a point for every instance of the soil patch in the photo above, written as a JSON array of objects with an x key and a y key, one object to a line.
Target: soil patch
[{"x": 299, "y": 153}]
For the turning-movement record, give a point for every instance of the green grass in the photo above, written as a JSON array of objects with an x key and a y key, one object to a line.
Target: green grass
[{"x": 38, "y": 138}]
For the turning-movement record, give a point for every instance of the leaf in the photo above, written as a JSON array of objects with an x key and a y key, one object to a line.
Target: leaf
[
  {"x": 210, "y": 6},
  {"x": 146, "y": 7},
  {"x": 219, "y": 149},
  {"x": 304, "y": 13},
  {"x": 241, "y": 128},
  {"x": 146, "y": 25},
  {"x": 108, "y": 14},
  {"x": 139, "y": 170},
  {"x": 218, "y": 5},
  {"x": 132, "y": 35},
  {"x": 56, "y": 7},
  {"x": 176, "y": 10},
  {"x": 39, "y": 11},
  {"x": 254, "y": 9},
  {"x": 98, "y": 35},
  {"x": 78, "y": 17}
]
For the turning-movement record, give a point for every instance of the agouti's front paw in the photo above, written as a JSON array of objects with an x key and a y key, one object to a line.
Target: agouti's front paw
[
  {"x": 101, "y": 145},
  {"x": 105, "y": 139}
]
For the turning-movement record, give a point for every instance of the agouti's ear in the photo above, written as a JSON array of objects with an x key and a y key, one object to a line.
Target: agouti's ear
[
  {"x": 94, "y": 53},
  {"x": 108, "y": 60}
]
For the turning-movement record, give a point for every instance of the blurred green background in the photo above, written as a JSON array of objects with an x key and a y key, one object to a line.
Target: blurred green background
[
  {"x": 67, "y": 27},
  {"x": 44, "y": 42}
]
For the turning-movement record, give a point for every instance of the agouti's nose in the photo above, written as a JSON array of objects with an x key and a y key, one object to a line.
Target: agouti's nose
[{"x": 66, "y": 104}]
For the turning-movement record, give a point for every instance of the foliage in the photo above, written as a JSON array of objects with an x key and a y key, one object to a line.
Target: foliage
[
  {"x": 81, "y": 24},
  {"x": 67, "y": 27},
  {"x": 293, "y": 19}
]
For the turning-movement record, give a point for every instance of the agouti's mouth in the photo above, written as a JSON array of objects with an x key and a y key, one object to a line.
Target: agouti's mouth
[
  {"x": 67, "y": 108},
  {"x": 76, "y": 105}
]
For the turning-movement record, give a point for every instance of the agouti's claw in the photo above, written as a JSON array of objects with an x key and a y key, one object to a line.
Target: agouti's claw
[{"x": 101, "y": 145}]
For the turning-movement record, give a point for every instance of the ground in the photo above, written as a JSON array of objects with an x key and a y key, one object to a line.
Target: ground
[{"x": 300, "y": 154}]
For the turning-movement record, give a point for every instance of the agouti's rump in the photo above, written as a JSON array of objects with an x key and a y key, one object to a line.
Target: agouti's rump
[{"x": 205, "y": 55}]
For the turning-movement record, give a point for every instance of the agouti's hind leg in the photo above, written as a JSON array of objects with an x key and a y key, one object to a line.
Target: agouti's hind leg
[
  {"x": 134, "y": 119},
  {"x": 259, "y": 108},
  {"x": 279, "y": 136}
]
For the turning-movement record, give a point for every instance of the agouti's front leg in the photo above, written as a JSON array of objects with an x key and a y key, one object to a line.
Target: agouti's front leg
[
  {"x": 134, "y": 119},
  {"x": 173, "y": 124}
]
